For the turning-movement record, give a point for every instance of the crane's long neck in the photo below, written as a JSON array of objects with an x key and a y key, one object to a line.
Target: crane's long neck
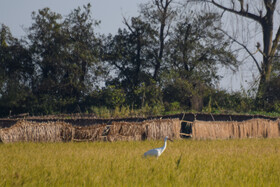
[{"x": 165, "y": 144}]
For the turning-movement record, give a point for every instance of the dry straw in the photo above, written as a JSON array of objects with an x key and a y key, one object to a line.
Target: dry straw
[
  {"x": 149, "y": 129},
  {"x": 28, "y": 131},
  {"x": 158, "y": 129},
  {"x": 256, "y": 128},
  {"x": 59, "y": 131},
  {"x": 126, "y": 131},
  {"x": 88, "y": 133}
]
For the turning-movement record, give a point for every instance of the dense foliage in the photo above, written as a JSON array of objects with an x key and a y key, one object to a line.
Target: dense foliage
[{"x": 162, "y": 60}]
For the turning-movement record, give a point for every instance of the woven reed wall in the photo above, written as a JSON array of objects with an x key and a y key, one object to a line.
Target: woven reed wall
[
  {"x": 57, "y": 131},
  {"x": 28, "y": 131},
  {"x": 88, "y": 133},
  {"x": 158, "y": 129},
  {"x": 149, "y": 129},
  {"x": 256, "y": 128}
]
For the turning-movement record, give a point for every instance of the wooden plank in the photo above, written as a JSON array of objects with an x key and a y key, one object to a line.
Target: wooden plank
[
  {"x": 186, "y": 121},
  {"x": 185, "y": 134}
]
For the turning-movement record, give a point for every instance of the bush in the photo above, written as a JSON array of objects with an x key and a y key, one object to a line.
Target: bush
[
  {"x": 101, "y": 112},
  {"x": 121, "y": 112},
  {"x": 174, "y": 106}
]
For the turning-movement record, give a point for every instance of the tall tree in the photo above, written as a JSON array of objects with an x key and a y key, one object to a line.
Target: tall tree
[
  {"x": 66, "y": 57},
  {"x": 47, "y": 45},
  {"x": 127, "y": 53},
  {"x": 84, "y": 49},
  {"x": 16, "y": 71},
  {"x": 160, "y": 14},
  {"x": 196, "y": 50},
  {"x": 196, "y": 47},
  {"x": 263, "y": 13}
]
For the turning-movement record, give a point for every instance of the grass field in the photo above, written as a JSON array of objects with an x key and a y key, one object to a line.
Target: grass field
[{"x": 248, "y": 162}]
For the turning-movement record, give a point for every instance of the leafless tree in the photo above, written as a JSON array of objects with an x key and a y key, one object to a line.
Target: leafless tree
[{"x": 263, "y": 13}]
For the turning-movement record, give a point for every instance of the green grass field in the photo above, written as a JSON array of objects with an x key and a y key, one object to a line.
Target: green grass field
[{"x": 253, "y": 162}]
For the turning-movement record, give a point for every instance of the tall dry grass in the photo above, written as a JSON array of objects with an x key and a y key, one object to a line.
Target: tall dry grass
[
  {"x": 253, "y": 128},
  {"x": 247, "y": 162}
]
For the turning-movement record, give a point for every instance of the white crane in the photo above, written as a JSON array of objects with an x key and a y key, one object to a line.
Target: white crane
[{"x": 157, "y": 151}]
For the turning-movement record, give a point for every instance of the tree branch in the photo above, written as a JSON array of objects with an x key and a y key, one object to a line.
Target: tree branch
[
  {"x": 241, "y": 12},
  {"x": 274, "y": 3},
  {"x": 241, "y": 4},
  {"x": 127, "y": 24},
  {"x": 269, "y": 5},
  {"x": 242, "y": 45}
]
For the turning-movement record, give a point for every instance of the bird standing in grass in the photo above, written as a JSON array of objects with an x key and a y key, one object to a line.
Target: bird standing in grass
[{"x": 157, "y": 151}]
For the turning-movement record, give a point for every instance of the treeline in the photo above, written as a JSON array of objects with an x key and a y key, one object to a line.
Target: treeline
[{"x": 163, "y": 60}]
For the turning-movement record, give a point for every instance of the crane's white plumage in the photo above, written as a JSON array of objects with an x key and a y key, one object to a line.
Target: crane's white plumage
[{"x": 157, "y": 151}]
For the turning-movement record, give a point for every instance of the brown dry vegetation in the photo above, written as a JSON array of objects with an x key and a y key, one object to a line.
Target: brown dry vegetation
[
  {"x": 28, "y": 131},
  {"x": 150, "y": 129},
  {"x": 88, "y": 133},
  {"x": 58, "y": 131},
  {"x": 83, "y": 129},
  {"x": 232, "y": 129}
]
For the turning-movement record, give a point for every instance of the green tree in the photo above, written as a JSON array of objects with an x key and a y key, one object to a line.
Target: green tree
[
  {"x": 126, "y": 53},
  {"x": 113, "y": 97},
  {"x": 160, "y": 15},
  {"x": 65, "y": 53},
  {"x": 197, "y": 47},
  {"x": 16, "y": 71},
  {"x": 196, "y": 51},
  {"x": 159, "y": 51},
  {"x": 84, "y": 51},
  {"x": 47, "y": 49}
]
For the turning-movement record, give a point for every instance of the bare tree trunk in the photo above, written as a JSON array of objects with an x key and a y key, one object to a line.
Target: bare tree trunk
[
  {"x": 163, "y": 8},
  {"x": 269, "y": 44},
  {"x": 265, "y": 74}
]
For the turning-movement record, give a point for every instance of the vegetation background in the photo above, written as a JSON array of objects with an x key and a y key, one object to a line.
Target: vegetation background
[{"x": 164, "y": 60}]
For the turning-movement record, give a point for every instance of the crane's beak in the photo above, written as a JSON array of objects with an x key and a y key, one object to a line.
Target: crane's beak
[{"x": 170, "y": 139}]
